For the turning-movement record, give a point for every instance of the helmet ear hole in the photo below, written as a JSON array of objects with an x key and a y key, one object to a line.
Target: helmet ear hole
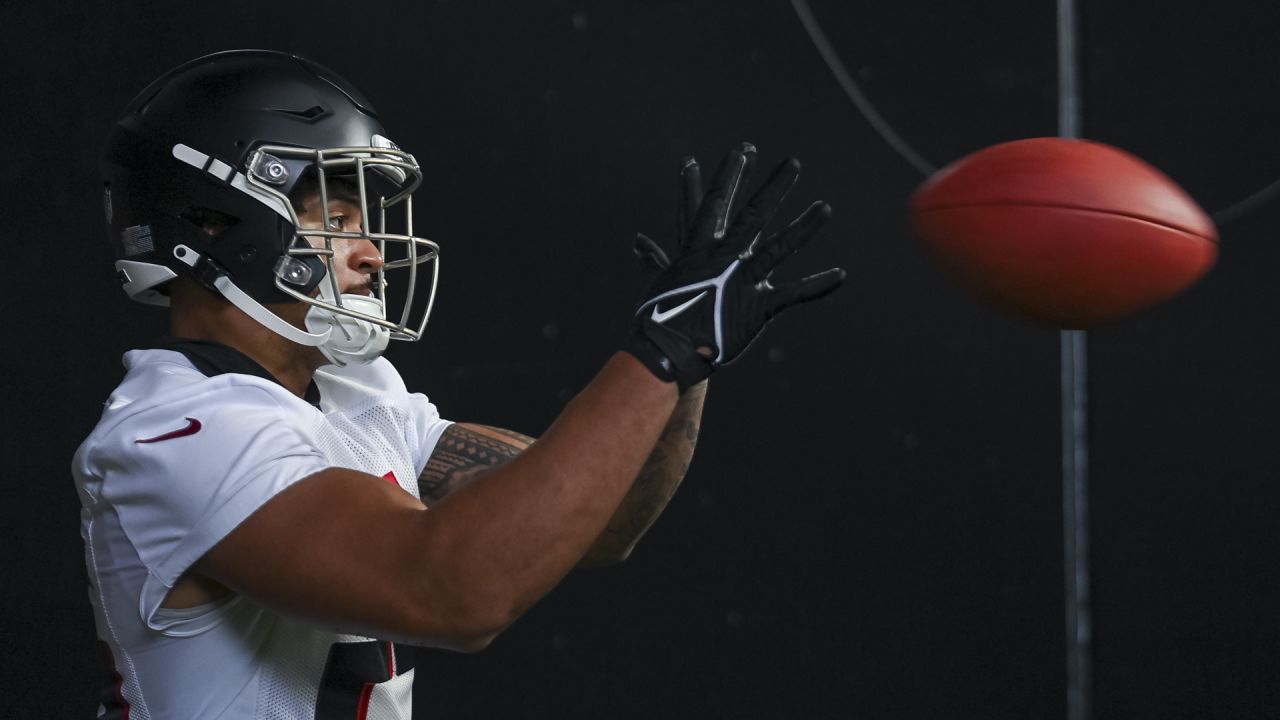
[{"x": 209, "y": 221}]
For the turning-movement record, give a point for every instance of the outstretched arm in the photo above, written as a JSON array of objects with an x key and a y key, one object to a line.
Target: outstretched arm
[
  {"x": 655, "y": 485},
  {"x": 467, "y": 451},
  {"x": 377, "y": 562}
]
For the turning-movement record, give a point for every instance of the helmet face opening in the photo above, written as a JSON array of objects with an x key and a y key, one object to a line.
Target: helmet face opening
[
  {"x": 211, "y": 159},
  {"x": 381, "y": 182}
]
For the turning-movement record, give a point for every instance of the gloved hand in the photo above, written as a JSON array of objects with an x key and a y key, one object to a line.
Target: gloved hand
[{"x": 708, "y": 304}]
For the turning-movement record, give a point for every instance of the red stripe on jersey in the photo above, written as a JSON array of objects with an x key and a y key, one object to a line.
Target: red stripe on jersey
[
  {"x": 362, "y": 710},
  {"x": 114, "y": 692},
  {"x": 391, "y": 478},
  {"x": 391, "y": 658}
]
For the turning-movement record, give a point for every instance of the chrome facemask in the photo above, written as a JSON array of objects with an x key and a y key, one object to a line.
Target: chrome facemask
[{"x": 272, "y": 167}]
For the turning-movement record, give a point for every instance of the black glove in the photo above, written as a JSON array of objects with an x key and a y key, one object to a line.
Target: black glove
[{"x": 709, "y": 303}]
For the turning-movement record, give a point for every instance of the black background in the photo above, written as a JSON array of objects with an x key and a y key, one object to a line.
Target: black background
[{"x": 871, "y": 527}]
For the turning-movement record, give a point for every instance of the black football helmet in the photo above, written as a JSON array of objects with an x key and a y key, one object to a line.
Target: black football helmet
[{"x": 198, "y": 180}]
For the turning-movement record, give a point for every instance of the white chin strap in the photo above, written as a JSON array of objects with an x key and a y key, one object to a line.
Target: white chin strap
[
  {"x": 350, "y": 341},
  {"x": 342, "y": 339},
  {"x": 270, "y": 320}
]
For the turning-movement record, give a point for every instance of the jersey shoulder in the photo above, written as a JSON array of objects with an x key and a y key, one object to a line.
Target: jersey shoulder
[
  {"x": 179, "y": 460},
  {"x": 163, "y": 397}
]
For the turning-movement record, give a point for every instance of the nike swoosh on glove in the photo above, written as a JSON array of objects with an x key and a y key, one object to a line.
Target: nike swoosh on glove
[{"x": 707, "y": 305}]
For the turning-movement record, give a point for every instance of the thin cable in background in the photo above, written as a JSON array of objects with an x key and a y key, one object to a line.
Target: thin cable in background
[
  {"x": 1237, "y": 210},
  {"x": 878, "y": 123}
]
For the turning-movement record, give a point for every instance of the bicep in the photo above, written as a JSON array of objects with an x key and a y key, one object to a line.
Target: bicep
[
  {"x": 464, "y": 452},
  {"x": 335, "y": 548}
]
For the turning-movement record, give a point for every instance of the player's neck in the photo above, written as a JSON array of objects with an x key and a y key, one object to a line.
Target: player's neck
[{"x": 213, "y": 319}]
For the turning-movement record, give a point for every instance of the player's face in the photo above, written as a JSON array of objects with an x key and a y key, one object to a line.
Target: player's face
[{"x": 354, "y": 260}]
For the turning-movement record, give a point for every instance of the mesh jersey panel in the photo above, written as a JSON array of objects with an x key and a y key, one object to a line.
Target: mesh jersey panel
[
  {"x": 292, "y": 662},
  {"x": 375, "y": 438}
]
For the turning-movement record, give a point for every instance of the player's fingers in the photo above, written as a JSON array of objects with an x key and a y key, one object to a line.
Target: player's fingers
[
  {"x": 712, "y": 220},
  {"x": 650, "y": 253},
  {"x": 801, "y": 291},
  {"x": 757, "y": 213},
  {"x": 762, "y": 257},
  {"x": 690, "y": 198}
]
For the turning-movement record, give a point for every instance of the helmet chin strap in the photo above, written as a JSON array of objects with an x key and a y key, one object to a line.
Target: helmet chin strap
[
  {"x": 251, "y": 307},
  {"x": 350, "y": 340},
  {"x": 342, "y": 339}
]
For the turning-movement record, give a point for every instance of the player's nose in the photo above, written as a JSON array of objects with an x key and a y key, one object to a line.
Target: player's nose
[{"x": 365, "y": 257}]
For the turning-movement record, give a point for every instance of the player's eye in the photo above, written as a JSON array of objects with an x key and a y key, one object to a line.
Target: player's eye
[{"x": 337, "y": 222}]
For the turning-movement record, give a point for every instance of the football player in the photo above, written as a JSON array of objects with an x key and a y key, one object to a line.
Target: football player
[{"x": 266, "y": 506}]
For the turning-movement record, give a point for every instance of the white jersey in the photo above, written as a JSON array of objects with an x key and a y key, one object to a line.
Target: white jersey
[{"x": 178, "y": 460}]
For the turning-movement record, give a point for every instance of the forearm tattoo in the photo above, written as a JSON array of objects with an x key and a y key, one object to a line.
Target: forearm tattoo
[
  {"x": 463, "y": 454},
  {"x": 658, "y": 479}
]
